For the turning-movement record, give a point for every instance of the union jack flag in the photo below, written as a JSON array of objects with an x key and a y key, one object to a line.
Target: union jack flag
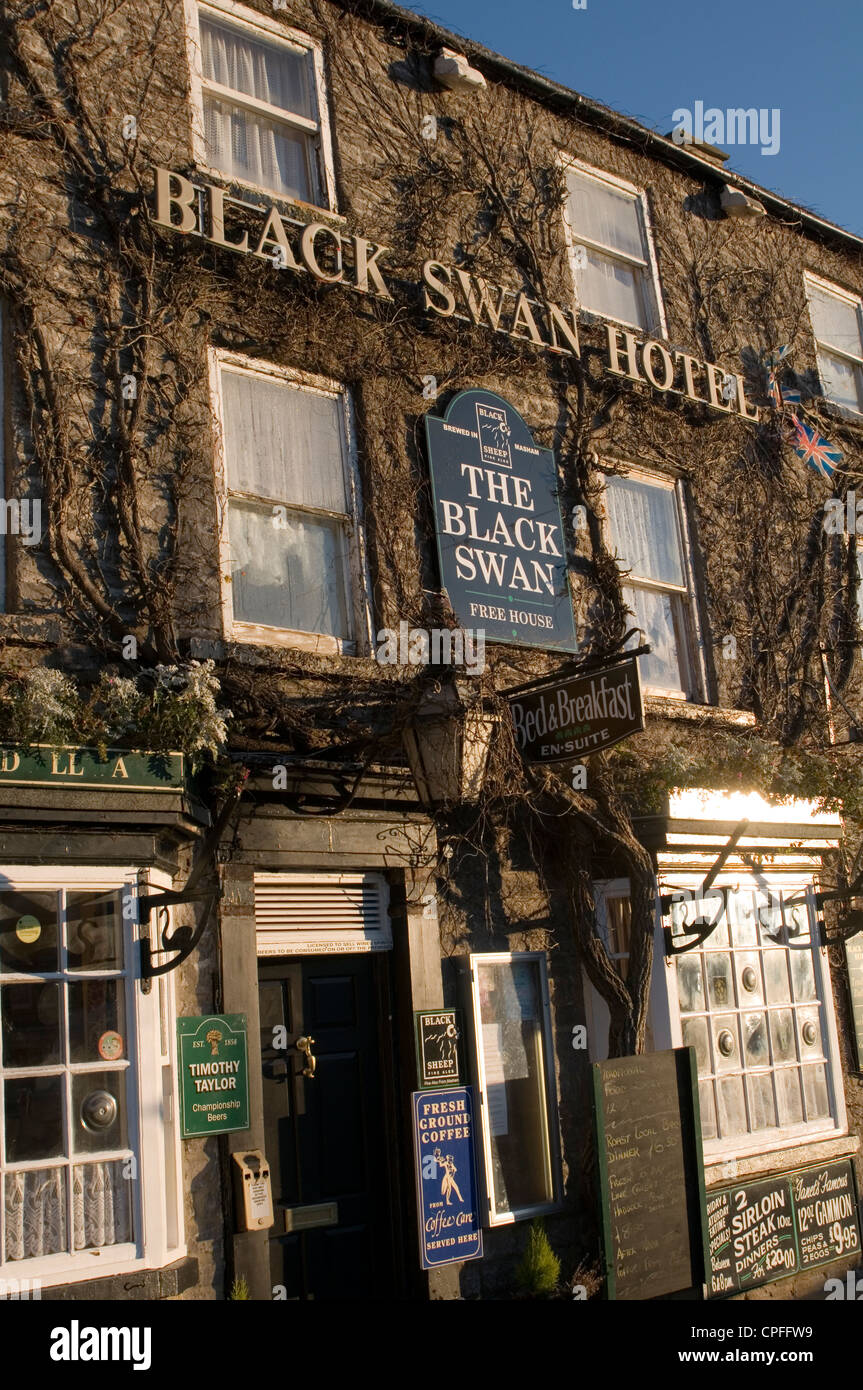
[
  {"x": 814, "y": 449},
  {"x": 774, "y": 364}
]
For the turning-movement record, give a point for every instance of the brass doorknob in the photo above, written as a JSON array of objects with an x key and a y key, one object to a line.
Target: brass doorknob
[{"x": 305, "y": 1045}]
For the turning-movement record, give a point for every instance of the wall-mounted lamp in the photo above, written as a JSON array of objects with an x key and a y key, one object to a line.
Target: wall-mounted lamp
[{"x": 447, "y": 744}]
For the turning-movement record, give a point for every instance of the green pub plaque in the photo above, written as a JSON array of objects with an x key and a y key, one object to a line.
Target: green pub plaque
[{"x": 214, "y": 1074}]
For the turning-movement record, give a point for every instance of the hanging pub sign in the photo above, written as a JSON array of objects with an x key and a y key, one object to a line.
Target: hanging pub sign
[
  {"x": 498, "y": 524},
  {"x": 761, "y": 1231},
  {"x": 438, "y": 1034},
  {"x": 579, "y": 716},
  {"x": 447, "y": 1192},
  {"x": 213, "y": 1059}
]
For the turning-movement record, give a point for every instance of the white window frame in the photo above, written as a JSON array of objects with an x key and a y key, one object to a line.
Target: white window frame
[
  {"x": 262, "y": 27},
  {"x": 666, "y": 1026},
  {"x": 493, "y": 1217},
  {"x": 852, "y": 301},
  {"x": 157, "y": 1197},
  {"x": 648, "y": 266},
  {"x": 740, "y": 1146},
  {"x": 356, "y": 574},
  {"x": 692, "y": 660}
]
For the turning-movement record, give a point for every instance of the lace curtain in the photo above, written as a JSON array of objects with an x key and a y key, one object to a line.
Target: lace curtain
[
  {"x": 610, "y": 217},
  {"x": 644, "y": 529},
  {"x": 645, "y": 534},
  {"x": 36, "y": 1215},
  {"x": 287, "y": 570},
  {"x": 244, "y": 143}
]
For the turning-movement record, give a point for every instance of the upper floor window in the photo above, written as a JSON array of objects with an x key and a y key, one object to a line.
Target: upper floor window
[
  {"x": 837, "y": 323},
  {"x": 611, "y": 250},
  {"x": 262, "y": 106},
  {"x": 291, "y": 546},
  {"x": 646, "y": 533}
]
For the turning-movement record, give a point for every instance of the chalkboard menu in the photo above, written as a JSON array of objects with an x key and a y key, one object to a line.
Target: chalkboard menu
[
  {"x": 854, "y": 960},
  {"x": 761, "y": 1231},
  {"x": 651, "y": 1174}
]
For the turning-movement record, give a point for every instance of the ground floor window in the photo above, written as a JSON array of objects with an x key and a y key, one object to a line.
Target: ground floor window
[
  {"x": 515, "y": 1073},
  {"x": 86, "y": 1080},
  {"x": 754, "y": 1001}
]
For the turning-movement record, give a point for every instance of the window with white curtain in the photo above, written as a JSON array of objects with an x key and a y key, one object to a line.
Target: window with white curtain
[
  {"x": 290, "y": 540},
  {"x": 837, "y": 323},
  {"x": 262, "y": 105},
  {"x": 84, "y": 1056},
  {"x": 644, "y": 525},
  {"x": 611, "y": 252}
]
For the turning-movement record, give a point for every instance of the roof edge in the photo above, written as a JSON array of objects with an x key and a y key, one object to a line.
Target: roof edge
[{"x": 605, "y": 117}]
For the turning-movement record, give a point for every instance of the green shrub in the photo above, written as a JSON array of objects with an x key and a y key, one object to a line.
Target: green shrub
[
  {"x": 538, "y": 1271},
  {"x": 239, "y": 1290}
]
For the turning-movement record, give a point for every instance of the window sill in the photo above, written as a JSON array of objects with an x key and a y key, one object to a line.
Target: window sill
[
  {"x": 145, "y": 1285},
  {"x": 319, "y": 643},
  {"x": 305, "y": 212},
  {"x": 835, "y": 411},
  {"x": 804, "y": 1153},
  {"x": 678, "y": 707},
  {"x": 31, "y": 629}
]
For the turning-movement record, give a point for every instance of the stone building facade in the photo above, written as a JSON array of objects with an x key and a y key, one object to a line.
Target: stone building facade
[{"x": 246, "y": 251}]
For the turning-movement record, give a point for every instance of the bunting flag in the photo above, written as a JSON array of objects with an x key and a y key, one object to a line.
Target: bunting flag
[
  {"x": 807, "y": 443},
  {"x": 814, "y": 449},
  {"x": 773, "y": 364}
]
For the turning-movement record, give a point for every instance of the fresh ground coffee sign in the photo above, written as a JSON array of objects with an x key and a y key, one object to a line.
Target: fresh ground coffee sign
[
  {"x": 214, "y": 1074},
  {"x": 579, "y": 716},
  {"x": 447, "y": 1193},
  {"x": 499, "y": 528}
]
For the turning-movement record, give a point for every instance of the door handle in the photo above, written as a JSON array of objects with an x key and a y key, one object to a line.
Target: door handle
[{"x": 304, "y": 1045}]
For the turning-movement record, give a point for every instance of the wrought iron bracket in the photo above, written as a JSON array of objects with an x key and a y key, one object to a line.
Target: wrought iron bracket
[
  {"x": 667, "y": 899},
  {"x": 182, "y": 940}
]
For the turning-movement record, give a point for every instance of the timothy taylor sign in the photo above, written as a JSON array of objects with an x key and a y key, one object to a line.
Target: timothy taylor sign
[
  {"x": 578, "y": 716},
  {"x": 498, "y": 523}
]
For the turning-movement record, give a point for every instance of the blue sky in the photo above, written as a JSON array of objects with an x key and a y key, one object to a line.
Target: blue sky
[{"x": 647, "y": 58}]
